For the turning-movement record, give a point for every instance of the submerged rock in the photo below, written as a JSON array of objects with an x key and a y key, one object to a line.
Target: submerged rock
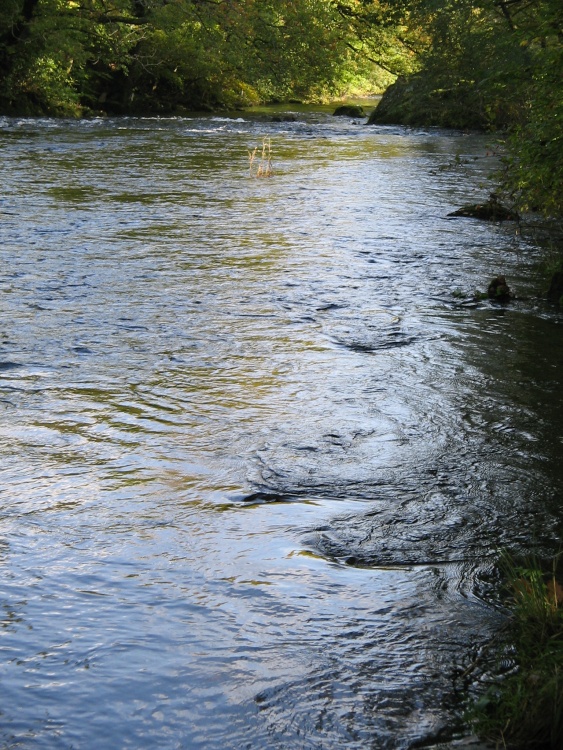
[
  {"x": 499, "y": 290},
  {"x": 349, "y": 110},
  {"x": 491, "y": 210}
]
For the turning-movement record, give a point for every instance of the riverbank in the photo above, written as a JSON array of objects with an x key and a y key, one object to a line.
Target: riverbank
[
  {"x": 521, "y": 705},
  {"x": 531, "y": 175},
  {"x": 416, "y": 101}
]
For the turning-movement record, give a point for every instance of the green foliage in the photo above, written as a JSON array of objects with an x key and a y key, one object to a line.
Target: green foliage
[
  {"x": 390, "y": 34},
  {"x": 534, "y": 166},
  {"x": 55, "y": 51},
  {"x": 65, "y": 56},
  {"x": 470, "y": 69},
  {"x": 524, "y": 707}
]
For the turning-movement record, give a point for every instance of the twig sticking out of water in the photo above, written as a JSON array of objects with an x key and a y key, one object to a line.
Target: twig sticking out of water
[{"x": 264, "y": 167}]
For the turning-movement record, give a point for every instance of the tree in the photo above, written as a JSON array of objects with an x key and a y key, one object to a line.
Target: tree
[
  {"x": 49, "y": 50},
  {"x": 68, "y": 56}
]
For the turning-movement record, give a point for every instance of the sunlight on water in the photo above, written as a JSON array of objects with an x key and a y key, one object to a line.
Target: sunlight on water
[{"x": 257, "y": 459}]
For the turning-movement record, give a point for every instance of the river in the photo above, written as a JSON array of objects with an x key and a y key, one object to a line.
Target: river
[{"x": 260, "y": 448}]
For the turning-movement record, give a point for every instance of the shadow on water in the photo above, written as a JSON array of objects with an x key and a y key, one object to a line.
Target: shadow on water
[{"x": 258, "y": 461}]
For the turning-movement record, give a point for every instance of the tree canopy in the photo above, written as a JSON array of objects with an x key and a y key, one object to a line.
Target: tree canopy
[{"x": 71, "y": 56}]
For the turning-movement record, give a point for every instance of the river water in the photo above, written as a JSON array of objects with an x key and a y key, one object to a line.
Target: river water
[{"x": 259, "y": 447}]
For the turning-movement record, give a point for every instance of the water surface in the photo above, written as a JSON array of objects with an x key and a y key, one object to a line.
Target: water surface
[{"x": 257, "y": 459}]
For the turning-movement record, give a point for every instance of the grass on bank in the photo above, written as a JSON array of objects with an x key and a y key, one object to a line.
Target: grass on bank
[{"x": 523, "y": 708}]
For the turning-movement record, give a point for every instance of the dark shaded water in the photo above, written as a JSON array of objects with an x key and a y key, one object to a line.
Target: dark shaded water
[{"x": 256, "y": 459}]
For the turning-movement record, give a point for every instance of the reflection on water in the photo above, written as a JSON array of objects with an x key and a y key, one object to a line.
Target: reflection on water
[{"x": 257, "y": 460}]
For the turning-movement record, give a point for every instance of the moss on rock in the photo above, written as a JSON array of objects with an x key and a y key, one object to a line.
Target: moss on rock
[{"x": 415, "y": 101}]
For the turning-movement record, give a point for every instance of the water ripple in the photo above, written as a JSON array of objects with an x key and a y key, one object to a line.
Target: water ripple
[{"x": 257, "y": 458}]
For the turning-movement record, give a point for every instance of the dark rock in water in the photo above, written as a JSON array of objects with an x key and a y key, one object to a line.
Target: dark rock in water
[
  {"x": 491, "y": 210},
  {"x": 394, "y": 104},
  {"x": 499, "y": 290},
  {"x": 284, "y": 118},
  {"x": 555, "y": 292},
  {"x": 415, "y": 100},
  {"x": 349, "y": 110}
]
